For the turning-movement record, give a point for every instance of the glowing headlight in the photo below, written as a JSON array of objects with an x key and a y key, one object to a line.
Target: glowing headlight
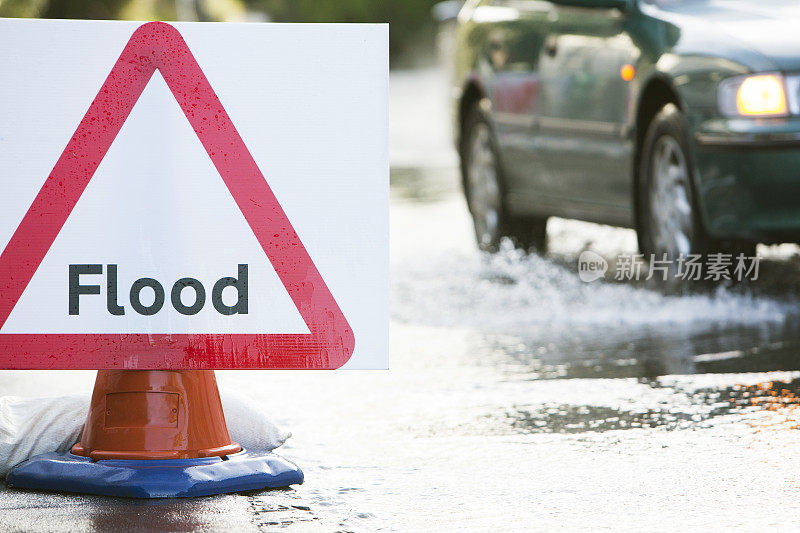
[{"x": 753, "y": 96}]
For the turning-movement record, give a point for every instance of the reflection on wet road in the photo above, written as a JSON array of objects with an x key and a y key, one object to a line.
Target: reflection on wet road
[
  {"x": 704, "y": 404},
  {"x": 519, "y": 398}
]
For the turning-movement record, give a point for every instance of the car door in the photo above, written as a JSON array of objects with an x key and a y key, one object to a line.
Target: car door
[{"x": 583, "y": 148}]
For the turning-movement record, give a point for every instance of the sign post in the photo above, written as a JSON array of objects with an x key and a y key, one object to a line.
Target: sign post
[{"x": 156, "y": 426}]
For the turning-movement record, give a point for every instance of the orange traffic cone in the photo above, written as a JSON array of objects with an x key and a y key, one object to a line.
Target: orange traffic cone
[{"x": 155, "y": 414}]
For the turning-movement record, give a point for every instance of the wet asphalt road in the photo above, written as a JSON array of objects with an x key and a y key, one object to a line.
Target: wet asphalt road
[{"x": 519, "y": 397}]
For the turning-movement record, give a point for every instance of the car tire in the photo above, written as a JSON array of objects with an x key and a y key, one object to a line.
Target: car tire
[
  {"x": 669, "y": 218},
  {"x": 485, "y": 192}
]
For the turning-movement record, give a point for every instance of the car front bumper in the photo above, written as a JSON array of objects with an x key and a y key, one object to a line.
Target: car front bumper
[{"x": 748, "y": 178}]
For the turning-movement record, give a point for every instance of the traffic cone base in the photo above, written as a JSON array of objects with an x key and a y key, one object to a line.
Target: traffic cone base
[
  {"x": 155, "y": 478},
  {"x": 155, "y": 434}
]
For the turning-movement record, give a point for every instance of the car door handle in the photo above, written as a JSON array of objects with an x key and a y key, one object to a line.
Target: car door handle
[{"x": 551, "y": 45}]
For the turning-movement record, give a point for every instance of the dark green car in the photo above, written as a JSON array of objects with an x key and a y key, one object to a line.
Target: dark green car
[{"x": 679, "y": 118}]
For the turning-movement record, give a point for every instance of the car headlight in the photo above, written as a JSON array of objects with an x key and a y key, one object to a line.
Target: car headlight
[{"x": 759, "y": 95}]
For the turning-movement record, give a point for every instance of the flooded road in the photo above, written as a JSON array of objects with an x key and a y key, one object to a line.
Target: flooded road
[{"x": 519, "y": 397}]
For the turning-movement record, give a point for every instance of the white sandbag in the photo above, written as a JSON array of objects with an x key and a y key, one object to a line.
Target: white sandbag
[
  {"x": 31, "y": 426},
  {"x": 249, "y": 425}
]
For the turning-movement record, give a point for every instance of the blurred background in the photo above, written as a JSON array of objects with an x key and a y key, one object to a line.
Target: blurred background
[{"x": 413, "y": 27}]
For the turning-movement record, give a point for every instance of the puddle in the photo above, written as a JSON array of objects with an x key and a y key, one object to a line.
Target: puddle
[
  {"x": 586, "y": 418},
  {"x": 698, "y": 408}
]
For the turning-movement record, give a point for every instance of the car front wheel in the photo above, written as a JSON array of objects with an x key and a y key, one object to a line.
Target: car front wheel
[{"x": 669, "y": 223}]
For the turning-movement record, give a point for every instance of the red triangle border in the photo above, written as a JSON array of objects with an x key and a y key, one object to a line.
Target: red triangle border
[{"x": 157, "y": 45}]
